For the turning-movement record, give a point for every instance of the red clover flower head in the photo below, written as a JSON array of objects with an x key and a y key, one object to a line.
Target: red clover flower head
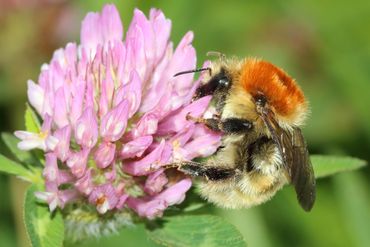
[{"x": 113, "y": 115}]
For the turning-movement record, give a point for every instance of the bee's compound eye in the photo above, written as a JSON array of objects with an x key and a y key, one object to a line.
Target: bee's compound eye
[
  {"x": 224, "y": 81},
  {"x": 260, "y": 100}
]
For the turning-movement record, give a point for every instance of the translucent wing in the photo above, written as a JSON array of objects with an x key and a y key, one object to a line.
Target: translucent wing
[
  {"x": 293, "y": 150},
  {"x": 302, "y": 174}
]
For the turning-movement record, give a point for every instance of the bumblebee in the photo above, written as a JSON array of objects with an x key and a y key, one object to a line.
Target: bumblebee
[{"x": 260, "y": 110}]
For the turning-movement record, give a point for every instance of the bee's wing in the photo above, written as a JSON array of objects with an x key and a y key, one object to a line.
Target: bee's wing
[
  {"x": 302, "y": 174},
  {"x": 296, "y": 160}
]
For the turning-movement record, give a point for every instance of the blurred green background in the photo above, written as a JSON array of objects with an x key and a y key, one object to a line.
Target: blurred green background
[{"x": 325, "y": 45}]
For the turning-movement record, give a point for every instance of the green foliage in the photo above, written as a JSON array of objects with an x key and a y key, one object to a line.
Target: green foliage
[
  {"x": 25, "y": 157},
  {"x": 43, "y": 228},
  {"x": 328, "y": 165},
  {"x": 27, "y": 165},
  {"x": 196, "y": 230},
  {"x": 355, "y": 209},
  {"x": 13, "y": 168},
  {"x": 32, "y": 123}
]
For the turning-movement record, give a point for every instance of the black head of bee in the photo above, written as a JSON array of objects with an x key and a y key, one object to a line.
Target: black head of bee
[{"x": 219, "y": 82}]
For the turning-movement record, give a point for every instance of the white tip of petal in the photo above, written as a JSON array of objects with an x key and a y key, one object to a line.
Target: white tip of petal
[
  {"x": 44, "y": 67},
  {"x": 24, "y": 134},
  {"x": 43, "y": 196},
  {"x": 35, "y": 95},
  {"x": 28, "y": 145},
  {"x": 103, "y": 207},
  {"x": 51, "y": 142}
]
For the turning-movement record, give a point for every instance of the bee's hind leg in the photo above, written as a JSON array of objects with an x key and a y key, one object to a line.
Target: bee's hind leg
[{"x": 196, "y": 169}]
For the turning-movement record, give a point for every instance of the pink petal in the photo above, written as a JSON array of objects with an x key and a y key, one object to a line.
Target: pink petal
[
  {"x": 154, "y": 206},
  {"x": 122, "y": 201},
  {"x": 107, "y": 89},
  {"x": 103, "y": 102},
  {"x": 183, "y": 59},
  {"x": 65, "y": 177},
  {"x": 77, "y": 162},
  {"x": 104, "y": 155},
  {"x": 85, "y": 184},
  {"x": 67, "y": 196},
  {"x": 133, "y": 93},
  {"x": 177, "y": 121},
  {"x": 178, "y": 141},
  {"x": 78, "y": 95},
  {"x": 155, "y": 182},
  {"x": 183, "y": 136},
  {"x": 158, "y": 85},
  {"x": 149, "y": 209},
  {"x": 51, "y": 171},
  {"x": 91, "y": 33},
  {"x": 147, "y": 125},
  {"x": 50, "y": 143},
  {"x": 64, "y": 136},
  {"x": 147, "y": 164},
  {"x": 150, "y": 46},
  {"x": 162, "y": 29},
  {"x": 70, "y": 57},
  {"x": 60, "y": 109},
  {"x": 111, "y": 173},
  {"x": 46, "y": 125},
  {"x": 89, "y": 100},
  {"x": 135, "y": 55},
  {"x": 35, "y": 95},
  {"x": 48, "y": 102},
  {"x": 176, "y": 193},
  {"x": 111, "y": 23},
  {"x": 203, "y": 145},
  {"x": 114, "y": 122},
  {"x": 86, "y": 131},
  {"x": 57, "y": 64},
  {"x": 119, "y": 61},
  {"x": 136, "y": 147}
]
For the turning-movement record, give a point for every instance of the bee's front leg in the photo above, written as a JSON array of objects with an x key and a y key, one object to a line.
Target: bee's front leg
[
  {"x": 227, "y": 126},
  {"x": 195, "y": 169}
]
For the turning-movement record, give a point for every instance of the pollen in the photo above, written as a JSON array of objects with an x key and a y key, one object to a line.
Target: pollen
[
  {"x": 101, "y": 200},
  {"x": 176, "y": 144},
  {"x": 43, "y": 134},
  {"x": 280, "y": 90}
]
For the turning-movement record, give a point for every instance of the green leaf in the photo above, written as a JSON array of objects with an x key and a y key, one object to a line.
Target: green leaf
[
  {"x": 329, "y": 165},
  {"x": 44, "y": 229},
  {"x": 23, "y": 156},
  {"x": 14, "y": 168},
  {"x": 31, "y": 121},
  {"x": 196, "y": 230},
  {"x": 353, "y": 196}
]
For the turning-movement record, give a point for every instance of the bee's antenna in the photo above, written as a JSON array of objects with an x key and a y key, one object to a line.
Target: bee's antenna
[{"x": 193, "y": 71}]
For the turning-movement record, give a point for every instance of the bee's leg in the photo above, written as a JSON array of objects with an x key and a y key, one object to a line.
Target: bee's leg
[
  {"x": 227, "y": 126},
  {"x": 211, "y": 123},
  {"x": 196, "y": 169},
  {"x": 236, "y": 125}
]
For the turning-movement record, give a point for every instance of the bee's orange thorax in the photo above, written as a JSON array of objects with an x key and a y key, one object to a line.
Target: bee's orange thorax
[{"x": 280, "y": 90}]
